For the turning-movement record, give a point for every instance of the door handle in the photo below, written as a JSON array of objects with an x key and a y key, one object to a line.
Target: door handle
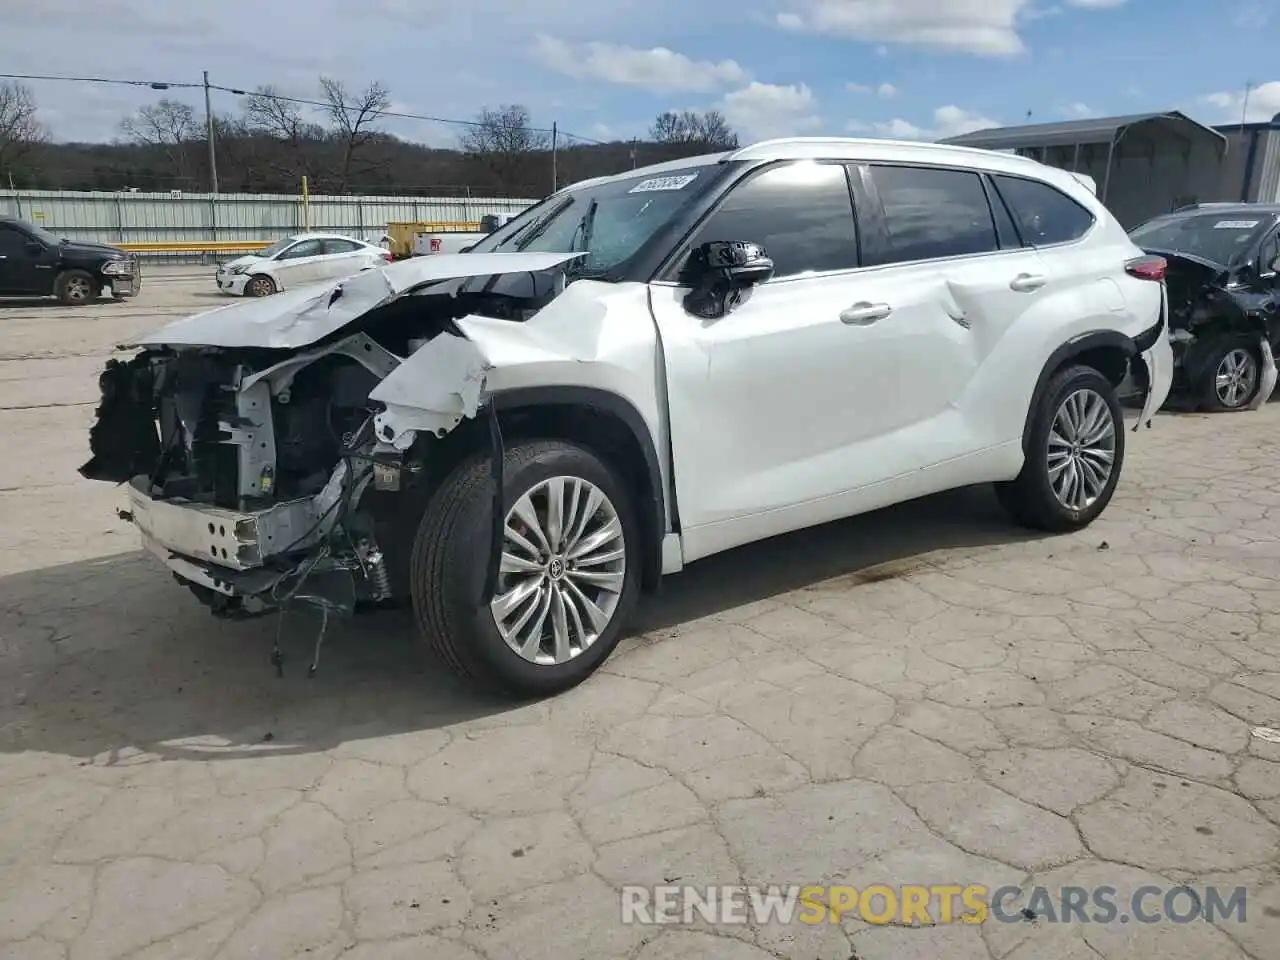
[
  {"x": 1028, "y": 282},
  {"x": 863, "y": 313}
]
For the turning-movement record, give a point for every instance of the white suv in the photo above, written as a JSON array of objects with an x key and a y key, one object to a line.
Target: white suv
[{"x": 638, "y": 372}]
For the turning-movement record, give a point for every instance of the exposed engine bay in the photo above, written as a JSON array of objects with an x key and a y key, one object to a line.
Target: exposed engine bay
[
  {"x": 1211, "y": 311},
  {"x": 252, "y": 468}
]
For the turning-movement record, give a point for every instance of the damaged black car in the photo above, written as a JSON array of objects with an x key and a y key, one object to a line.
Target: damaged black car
[{"x": 1223, "y": 285}]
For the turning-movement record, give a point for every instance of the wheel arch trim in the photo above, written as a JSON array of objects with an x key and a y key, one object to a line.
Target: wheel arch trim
[
  {"x": 623, "y": 410},
  {"x": 1077, "y": 346}
]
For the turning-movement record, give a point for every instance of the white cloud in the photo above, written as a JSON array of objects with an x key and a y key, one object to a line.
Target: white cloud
[
  {"x": 1263, "y": 104},
  {"x": 657, "y": 69},
  {"x": 1095, "y": 4},
  {"x": 857, "y": 88},
  {"x": 886, "y": 91},
  {"x": 760, "y": 111},
  {"x": 1077, "y": 110},
  {"x": 948, "y": 121},
  {"x": 982, "y": 27}
]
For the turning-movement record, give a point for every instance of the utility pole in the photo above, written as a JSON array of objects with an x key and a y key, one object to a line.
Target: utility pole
[
  {"x": 1244, "y": 106},
  {"x": 633, "y": 152},
  {"x": 208, "y": 122},
  {"x": 555, "y": 179}
]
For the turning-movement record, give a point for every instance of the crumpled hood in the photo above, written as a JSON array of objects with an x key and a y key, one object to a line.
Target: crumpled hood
[
  {"x": 300, "y": 317},
  {"x": 244, "y": 261}
]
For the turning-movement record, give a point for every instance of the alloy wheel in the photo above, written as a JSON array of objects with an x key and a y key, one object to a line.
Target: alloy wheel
[
  {"x": 1236, "y": 377},
  {"x": 1082, "y": 449},
  {"x": 562, "y": 572}
]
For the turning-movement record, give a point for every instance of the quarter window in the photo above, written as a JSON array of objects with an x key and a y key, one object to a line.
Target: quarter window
[
  {"x": 801, "y": 213},
  {"x": 931, "y": 214},
  {"x": 1043, "y": 214},
  {"x": 1270, "y": 251}
]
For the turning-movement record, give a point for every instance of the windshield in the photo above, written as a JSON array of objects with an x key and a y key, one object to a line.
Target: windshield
[
  {"x": 611, "y": 220},
  {"x": 1222, "y": 238},
  {"x": 277, "y": 247}
]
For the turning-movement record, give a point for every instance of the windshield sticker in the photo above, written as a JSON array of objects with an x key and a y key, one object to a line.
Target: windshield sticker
[
  {"x": 664, "y": 183},
  {"x": 1235, "y": 224}
]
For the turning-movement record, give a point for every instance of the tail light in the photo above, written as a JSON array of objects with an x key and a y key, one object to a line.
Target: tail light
[
  {"x": 386, "y": 255},
  {"x": 1147, "y": 268}
]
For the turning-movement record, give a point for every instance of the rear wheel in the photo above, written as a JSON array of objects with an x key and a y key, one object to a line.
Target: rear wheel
[
  {"x": 260, "y": 286},
  {"x": 75, "y": 288},
  {"x": 569, "y": 574},
  {"x": 1073, "y": 457},
  {"x": 1232, "y": 374}
]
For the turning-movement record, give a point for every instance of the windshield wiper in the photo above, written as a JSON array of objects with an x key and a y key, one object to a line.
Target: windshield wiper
[{"x": 537, "y": 228}]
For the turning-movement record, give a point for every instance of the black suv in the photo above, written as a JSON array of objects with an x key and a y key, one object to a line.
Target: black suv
[
  {"x": 1224, "y": 298},
  {"x": 35, "y": 263}
]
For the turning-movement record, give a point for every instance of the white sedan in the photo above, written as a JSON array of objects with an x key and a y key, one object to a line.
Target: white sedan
[{"x": 296, "y": 261}]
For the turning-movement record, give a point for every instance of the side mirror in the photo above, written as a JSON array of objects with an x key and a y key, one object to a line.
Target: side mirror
[
  {"x": 1275, "y": 266},
  {"x": 720, "y": 272},
  {"x": 34, "y": 249}
]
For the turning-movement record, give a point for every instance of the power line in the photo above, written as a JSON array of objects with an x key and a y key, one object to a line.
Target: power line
[{"x": 302, "y": 101}]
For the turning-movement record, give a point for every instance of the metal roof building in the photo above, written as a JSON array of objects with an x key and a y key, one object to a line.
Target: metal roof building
[{"x": 1149, "y": 163}]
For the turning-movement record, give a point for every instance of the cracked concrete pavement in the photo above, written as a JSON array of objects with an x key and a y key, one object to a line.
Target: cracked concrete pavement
[{"x": 925, "y": 695}]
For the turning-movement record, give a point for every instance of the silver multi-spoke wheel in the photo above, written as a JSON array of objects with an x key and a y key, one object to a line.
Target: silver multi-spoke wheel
[
  {"x": 1236, "y": 377},
  {"x": 1082, "y": 449},
  {"x": 562, "y": 572}
]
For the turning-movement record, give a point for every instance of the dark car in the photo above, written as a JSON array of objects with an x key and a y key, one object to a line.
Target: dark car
[
  {"x": 35, "y": 263},
  {"x": 1224, "y": 299}
]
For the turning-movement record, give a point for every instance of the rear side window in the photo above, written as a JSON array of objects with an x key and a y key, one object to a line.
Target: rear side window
[
  {"x": 1043, "y": 214},
  {"x": 930, "y": 214},
  {"x": 801, "y": 213}
]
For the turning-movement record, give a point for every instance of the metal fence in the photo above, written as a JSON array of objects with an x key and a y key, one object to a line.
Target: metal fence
[{"x": 193, "y": 217}]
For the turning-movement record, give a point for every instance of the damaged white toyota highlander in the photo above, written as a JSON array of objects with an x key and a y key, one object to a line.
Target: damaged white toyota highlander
[{"x": 638, "y": 372}]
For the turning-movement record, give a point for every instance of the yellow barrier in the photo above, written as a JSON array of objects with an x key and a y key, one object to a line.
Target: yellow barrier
[
  {"x": 193, "y": 246},
  {"x": 402, "y": 232}
]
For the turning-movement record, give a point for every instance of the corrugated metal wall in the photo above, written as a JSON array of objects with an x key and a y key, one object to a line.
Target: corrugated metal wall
[{"x": 135, "y": 217}]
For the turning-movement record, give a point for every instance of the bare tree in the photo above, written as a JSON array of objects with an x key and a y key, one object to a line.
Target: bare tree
[
  {"x": 703, "y": 131},
  {"x": 20, "y": 129},
  {"x": 170, "y": 125},
  {"x": 268, "y": 114},
  {"x": 351, "y": 120},
  {"x": 503, "y": 141}
]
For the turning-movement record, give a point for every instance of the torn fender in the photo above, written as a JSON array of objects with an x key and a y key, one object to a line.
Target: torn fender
[
  {"x": 300, "y": 317},
  {"x": 595, "y": 335}
]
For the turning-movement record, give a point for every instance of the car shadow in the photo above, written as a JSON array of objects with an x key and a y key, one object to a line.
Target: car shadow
[{"x": 109, "y": 659}]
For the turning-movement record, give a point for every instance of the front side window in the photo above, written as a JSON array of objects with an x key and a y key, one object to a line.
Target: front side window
[
  {"x": 307, "y": 248},
  {"x": 1043, "y": 214},
  {"x": 1270, "y": 253},
  {"x": 1223, "y": 238},
  {"x": 12, "y": 242},
  {"x": 277, "y": 248},
  {"x": 931, "y": 214},
  {"x": 610, "y": 221},
  {"x": 801, "y": 213}
]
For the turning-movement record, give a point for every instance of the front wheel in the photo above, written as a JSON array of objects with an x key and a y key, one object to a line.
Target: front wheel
[
  {"x": 1232, "y": 374},
  {"x": 75, "y": 288},
  {"x": 568, "y": 578},
  {"x": 260, "y": 286},
  {"x": 1074, "y": 455}
]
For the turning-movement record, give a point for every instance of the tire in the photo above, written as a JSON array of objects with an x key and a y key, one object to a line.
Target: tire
[
  {"x": 75, "y": 288},
  {"x": 450, "y": 560},
  {"x": 1031, "y": 499},
  {"x": 259, "y": 285},
  {"x": 1231, "y": 374}
]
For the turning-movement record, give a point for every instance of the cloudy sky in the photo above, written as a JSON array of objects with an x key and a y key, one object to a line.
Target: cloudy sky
[{"x": 605, "y": 68}]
